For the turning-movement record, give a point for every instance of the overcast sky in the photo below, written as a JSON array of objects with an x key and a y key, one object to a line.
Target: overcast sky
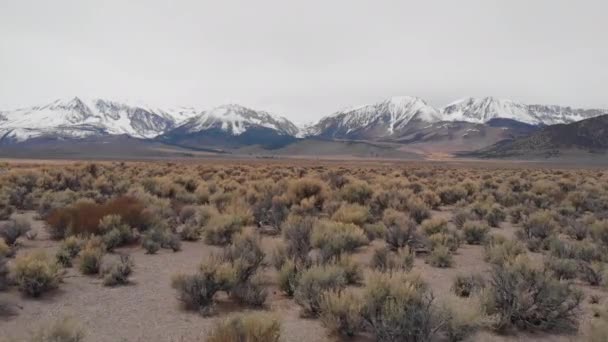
[{"x": 303, "y": 59}]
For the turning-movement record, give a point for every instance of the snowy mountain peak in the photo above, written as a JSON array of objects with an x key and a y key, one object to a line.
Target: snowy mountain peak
[
  {"x": 480, "y": 110},
  {"x": 384, "y": 118},
  {"x": 78, "y": 117},
  {"x": 236, "y": 119}
]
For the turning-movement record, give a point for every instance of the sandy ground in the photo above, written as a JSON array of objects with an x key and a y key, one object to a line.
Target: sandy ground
[{"x": 148, "y": 310}]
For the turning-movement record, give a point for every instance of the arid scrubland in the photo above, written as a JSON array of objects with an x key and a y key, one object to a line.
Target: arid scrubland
[{"x": 297, "y": 251}]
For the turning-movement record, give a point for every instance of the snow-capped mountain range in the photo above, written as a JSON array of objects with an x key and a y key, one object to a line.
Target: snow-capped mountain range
[{"x": 391, "y": 118}]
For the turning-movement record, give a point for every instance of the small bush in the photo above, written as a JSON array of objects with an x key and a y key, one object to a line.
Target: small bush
[
  {"x": 115, "y": 232},
  {"x": 250, "y": 292},
  {"x": 562, "y": 268},
  {"x": 252, "y": 327},
  {"x": 400, "y": 229},
  {"x": 4, "y": 273},
  {"x": 374, "y": 230},
  {"x": 352, "y": 213},
  {"x": 356, "y": 192},
  {"x": 353, "y": 273},
  {"x": 452, "y": 194},
  {"x": 197, "y": 291},
  {"x": 399, "y": 308},
  {"x": 475, "y": 232},
  {"x": 418, "y": 210},
  {"x": 466, "y": 285},
  {"x": 384, "y": 260},
  {"x": 599, "y": 231},
  {"x": 64, "y": 330},
  {"x": 221, "y": 228},
  {"x": 297, "y": 233},
  {"x": 540, "y": 225},
  {"x": 313, "y": 282},
  {"x": 190, "y": 232},
  {"x": 461, "y": 320},
  {"x": 594, "y": 273},
  {"x": 12, "y": 230},
  {"x": 495, "y": 215},
  {"x": 90, "y": 260},
  {"x": 68, "y": 250},
  {"x": 5, "y": 250},
  {"x": 36, "y": 274},
  {"x": 451, "y": 240},
  {"x": 288, "y": 278},
  {"x": 118, "y": 272},
  {"x": 341, "y": 312},
  {"x": 334, "y": 238},
  {"x": 530, "y": 299},
  {"x": 434, "y": 226},
  {"x": 440, "y": 257},
  {"x": 500, "y": 250}
]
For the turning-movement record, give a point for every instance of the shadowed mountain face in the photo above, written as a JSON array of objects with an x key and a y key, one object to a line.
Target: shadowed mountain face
[{"x": 588, "y": 135}]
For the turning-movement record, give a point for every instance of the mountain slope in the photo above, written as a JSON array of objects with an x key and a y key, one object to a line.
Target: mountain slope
[
  {"x": 232, "y": 126},
  {"x": 588, "y": 135},
  {"x": 385, "y": 119},
  {"x": 77, "y": 118}
]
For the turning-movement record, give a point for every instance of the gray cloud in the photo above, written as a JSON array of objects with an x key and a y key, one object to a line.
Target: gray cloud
[{"x": 303, "y": 59}]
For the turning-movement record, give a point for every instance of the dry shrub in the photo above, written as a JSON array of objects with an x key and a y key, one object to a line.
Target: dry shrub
[
  {"x": 118, "y": 272},
  {"x": 418, "y": 210},
  {"x": 499, "y": 250},
  {"x": 562, "y": 268},
  {"x": 307, "y": 192},
  {"x": 36, "y": 274},
  {"x": 440, "y": 257},
  {"x": 495, "y": 215},
  {"x": 434, "y": 226},
  {"x": 356, "y": 192},
  {"x": 530, "y": 299},
  {"x": 220, "y": 229},
  {"x": 313, "y": 283},
  {"x": 13, "y": 229},
  {"x": 452, "y": 194},
  {"x": 462, "y": 319},
  {"x": 197, "y": 291},
  {"x": 400, "y": 229},
  {"x": 384, "y": 260},
  {"x": 288, "y": 277},
  {"x": 91, "y": 258},
  {"x": 251, "y": 327},
  {"x": 474, "y": 232},
  {"x": 341, "y": 312},
  {"x": 4, "y": 273},
  {"x": 398, "y": 307},
  {"x": 335, "y": 238},
  {"x": 68, "y": 250},
  {"x": 450, "y": 239},
  {"x": 115, "y": 232},
  {"x": 64, "y": 330},
  {"x": 352, "y": 213},
  {"x": 539, "y": 225},
  {"x": 599, "y": 231},
  {"x": 374, "y": 230},
  {"x": 83, "y": 218},
  {"x": 466, "y": 285},
  {"x": 353, "y": 272},
  {"x": 594, "y": 273},
  {"x": 297, "y": 233}
]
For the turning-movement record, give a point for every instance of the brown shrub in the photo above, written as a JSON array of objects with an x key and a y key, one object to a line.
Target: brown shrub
[{"x": 83, "y": 218}]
